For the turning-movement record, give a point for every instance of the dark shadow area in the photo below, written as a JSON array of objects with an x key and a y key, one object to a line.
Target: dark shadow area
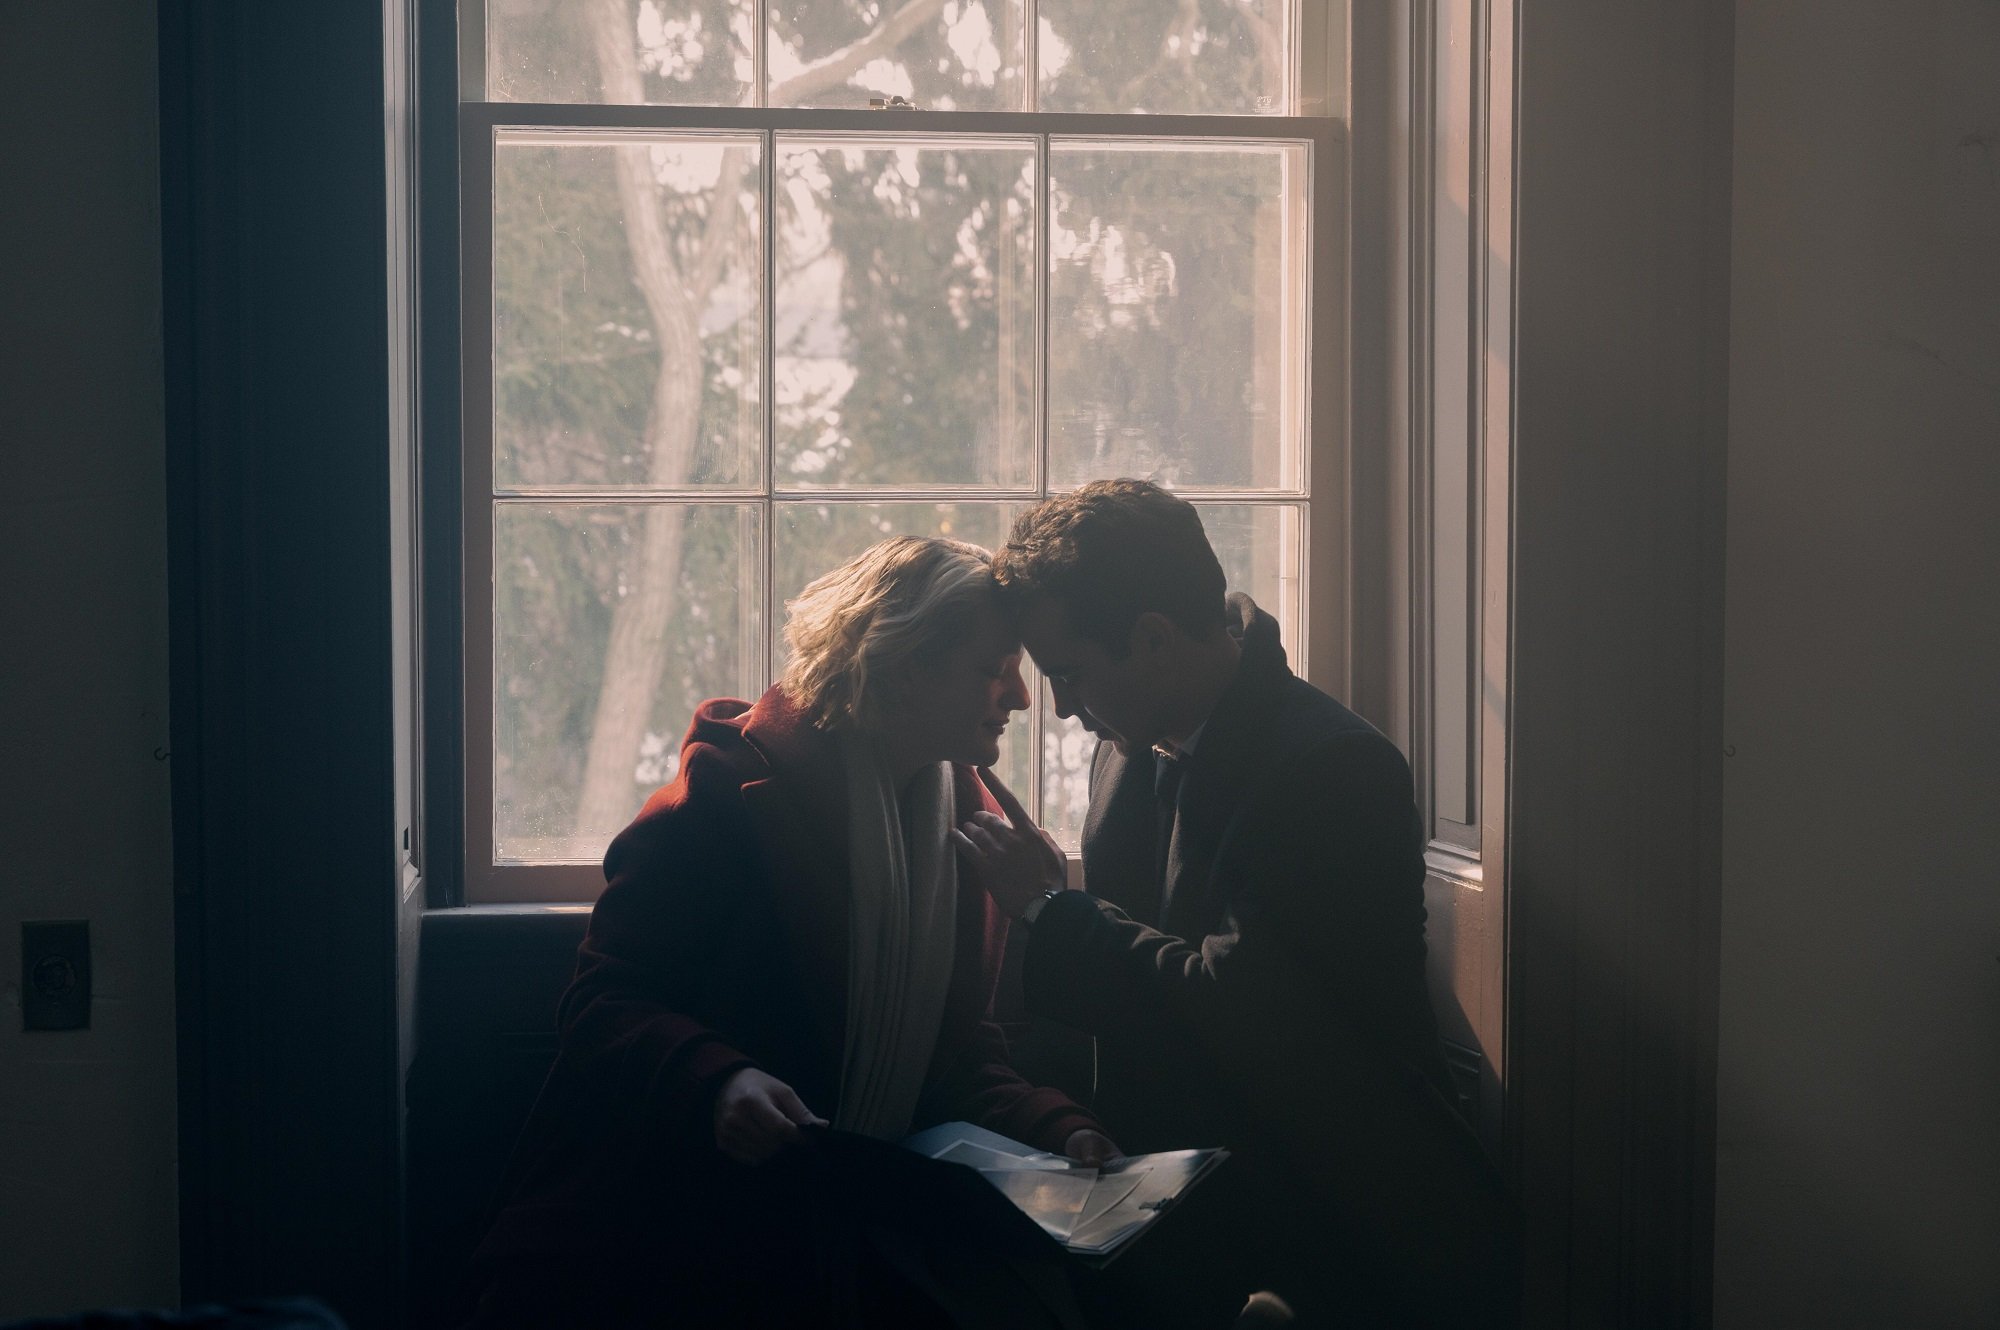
[{"x": 486, "y": 1034}]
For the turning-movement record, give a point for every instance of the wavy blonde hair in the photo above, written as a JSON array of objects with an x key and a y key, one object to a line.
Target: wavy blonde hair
[{"x": 855, "y": 631}]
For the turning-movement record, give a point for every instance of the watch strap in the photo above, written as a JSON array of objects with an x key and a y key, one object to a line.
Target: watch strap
[{"x": 1038, "y": 904}]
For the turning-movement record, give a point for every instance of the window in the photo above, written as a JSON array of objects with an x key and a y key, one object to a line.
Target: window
[{"x": 725, "y": 325}]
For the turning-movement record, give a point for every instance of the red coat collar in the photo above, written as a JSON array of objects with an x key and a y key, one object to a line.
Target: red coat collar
[{"x": 807, "y": 761}]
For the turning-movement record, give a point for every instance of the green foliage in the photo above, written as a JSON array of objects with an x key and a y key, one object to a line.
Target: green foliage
[
  {"x": 1203, "y": 57},
  {"x": 1154, "y": 384},
  {"x": 689, "y": 52},
  {"x": 919, "y": 304},
  {"x": 574, "y": 358}
]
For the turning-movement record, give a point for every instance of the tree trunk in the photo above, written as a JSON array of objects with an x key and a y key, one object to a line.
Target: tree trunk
[{"x": 636, "y": 654}]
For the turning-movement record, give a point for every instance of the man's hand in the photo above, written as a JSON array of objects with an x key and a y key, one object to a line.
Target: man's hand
[
  {"x": 1091, "y": 1148},
  {"x": 756, "y": 1115},
  {"x": 1013, "y": 859}
]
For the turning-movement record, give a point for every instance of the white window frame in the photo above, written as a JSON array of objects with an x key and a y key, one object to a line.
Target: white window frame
[{"x": 1323, "y": 652}]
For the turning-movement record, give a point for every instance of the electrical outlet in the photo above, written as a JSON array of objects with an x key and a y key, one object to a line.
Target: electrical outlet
[{"x": 55, "y": 974}]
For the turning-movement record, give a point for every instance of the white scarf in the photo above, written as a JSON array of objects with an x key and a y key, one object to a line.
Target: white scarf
[{"x": 901, "y": 929}]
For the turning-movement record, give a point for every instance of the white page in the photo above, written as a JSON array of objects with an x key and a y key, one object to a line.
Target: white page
[{"x": 1053, "y": 1200}]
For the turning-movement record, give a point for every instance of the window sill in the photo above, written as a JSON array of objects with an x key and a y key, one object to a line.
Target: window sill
[{"x": 1450, "y": 864}]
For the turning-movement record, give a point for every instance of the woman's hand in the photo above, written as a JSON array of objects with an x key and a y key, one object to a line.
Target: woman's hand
[
  {"x": 1091, "y": 1148},
  {"x": 1014, "y": 860},
  {"x": 757, "y": 1115}
]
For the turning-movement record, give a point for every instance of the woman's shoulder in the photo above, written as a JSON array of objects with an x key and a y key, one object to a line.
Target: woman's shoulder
[{"x": 713, "y": 765}]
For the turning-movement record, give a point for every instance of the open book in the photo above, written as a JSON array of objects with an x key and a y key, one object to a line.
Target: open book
[{"x": 1093, "y": 1212}]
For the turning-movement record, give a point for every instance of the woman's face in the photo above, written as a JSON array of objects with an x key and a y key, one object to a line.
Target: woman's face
[{"x": 956, "y": 707}]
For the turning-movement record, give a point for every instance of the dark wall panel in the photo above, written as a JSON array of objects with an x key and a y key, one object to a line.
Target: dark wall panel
[
  {"x": 276, "y": 285},
  {"x": 486, "y": 1034}
]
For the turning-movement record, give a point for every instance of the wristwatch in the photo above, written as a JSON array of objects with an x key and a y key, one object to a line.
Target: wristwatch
[{"x": 1038, "y": 904}]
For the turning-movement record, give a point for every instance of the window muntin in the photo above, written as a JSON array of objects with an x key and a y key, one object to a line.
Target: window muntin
[{"x": 936, "y": 301}]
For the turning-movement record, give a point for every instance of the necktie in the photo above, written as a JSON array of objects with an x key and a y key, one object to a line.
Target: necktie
[{"x": 1168, "y": 770}]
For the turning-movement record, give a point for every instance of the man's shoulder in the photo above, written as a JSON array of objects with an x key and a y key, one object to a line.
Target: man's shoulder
[
  {"x": 1309, "y": 757},
  {"x": 1297, "y": 743},
  {"x": 1279, "y": 714},
  {"x": 1305, "y": 720}
]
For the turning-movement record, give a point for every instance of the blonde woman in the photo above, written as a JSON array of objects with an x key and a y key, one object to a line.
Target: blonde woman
[{"x": 784, "y": 942}]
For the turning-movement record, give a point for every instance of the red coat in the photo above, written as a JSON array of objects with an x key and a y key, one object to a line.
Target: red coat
[{"x": 720, "y": 943}]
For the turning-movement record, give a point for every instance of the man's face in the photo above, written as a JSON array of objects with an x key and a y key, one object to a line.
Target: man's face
[{"x": 1114, "y": 698}]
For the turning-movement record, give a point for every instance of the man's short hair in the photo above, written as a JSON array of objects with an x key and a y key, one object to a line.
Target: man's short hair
[
  {"x": 1110, "y": 552},
  {"x": 854, "y": 632}
]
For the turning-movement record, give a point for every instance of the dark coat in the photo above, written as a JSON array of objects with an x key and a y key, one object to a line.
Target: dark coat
[
  {"x": 1270, "y": 995},
  {"x": 721, "y": 943}
]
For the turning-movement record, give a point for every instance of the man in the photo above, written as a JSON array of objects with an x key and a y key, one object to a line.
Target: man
[{"x": 1249, "y": 948}]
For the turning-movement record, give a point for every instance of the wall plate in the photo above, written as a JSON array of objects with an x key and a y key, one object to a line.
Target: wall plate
[{"x": 55, "y": 974}]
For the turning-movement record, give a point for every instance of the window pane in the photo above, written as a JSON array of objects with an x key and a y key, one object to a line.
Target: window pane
[
  {"x": 1176, "y": 321},
  {"x": 626, "y": 311},
  {"x": 963, "y": 55},
  {"x": 905, "y": 314},
  {"x": 1198, "y": 57},
  {"x": 813, "y": 538},
  {"x": 610, "y": 622},
  {"x": 1259, "y": 546},
  {"x": 668, "y": 52}
]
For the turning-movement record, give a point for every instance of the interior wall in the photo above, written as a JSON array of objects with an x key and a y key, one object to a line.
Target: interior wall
[
  {"x": 87, "y": 1118},
  {"x": 1621, "y": 276},
  {"x": 1858, "y": 1170}
]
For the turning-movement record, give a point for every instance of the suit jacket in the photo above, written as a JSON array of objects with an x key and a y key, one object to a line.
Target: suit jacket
[
  {"x": 1266, "y": 992},
  {"x": 721, "y": 943}
]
